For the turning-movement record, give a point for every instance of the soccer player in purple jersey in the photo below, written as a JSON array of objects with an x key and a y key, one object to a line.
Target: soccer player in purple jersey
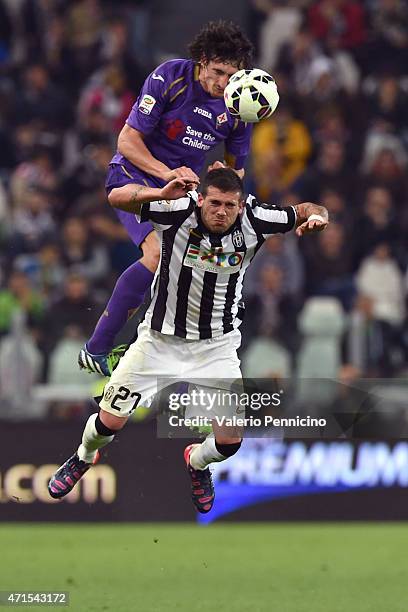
[{"x": 179, "y": 116}]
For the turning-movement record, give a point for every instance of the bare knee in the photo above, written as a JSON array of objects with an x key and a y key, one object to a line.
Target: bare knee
[
  {"x": 151, "y": 252},
  {"x": 111, "y": 421}
]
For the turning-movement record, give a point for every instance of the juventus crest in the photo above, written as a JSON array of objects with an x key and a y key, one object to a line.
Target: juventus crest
[{"x": 237, "y": 238}]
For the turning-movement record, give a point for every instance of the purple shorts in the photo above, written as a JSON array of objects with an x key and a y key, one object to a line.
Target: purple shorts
[{"x": 119, "y": 175}]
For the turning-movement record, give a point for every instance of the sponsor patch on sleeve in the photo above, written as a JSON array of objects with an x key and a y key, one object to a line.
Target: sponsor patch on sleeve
[{"x": 146, "y": 104}]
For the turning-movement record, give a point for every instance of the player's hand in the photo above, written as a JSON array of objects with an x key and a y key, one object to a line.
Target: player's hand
[
  {"x": 217, "y": 164},
  {"x": 183, "y": 172},
  {"x": 310, "y": 227},
  {"x": 240, "y": 173},
  {"x": 177, "y": 188}
]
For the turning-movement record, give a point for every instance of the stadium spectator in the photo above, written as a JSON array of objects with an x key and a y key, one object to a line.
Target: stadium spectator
[
  {"x": 39, "y": 99},
  {"x": 80, "y": 254},
  {"x": 384, "y": 164},
  {"x": 296, "y": 60},
  {"x": 108, "y": 91},
  {"x": 387, "y": 100},
  {"x": 329, "y": 266},
  {"x": 44, "y": 268},
  {"x": 84, "y": 28},
  {"x": 328, "y": 172},
  {"x": 380, "y": 286},
  {"x": 342, "y": 20},
  {"x": 273, "y": 309},
  {"x": 280, "y": 26},
  {"x": 285, "y": 135},
  {"x": 37, "y": 172},
  {"x": 389, "y": 22},
  {"x": 380, "y": 279},
  {"x": 377, "y": 222},
  {"x": 285, "y": 255},
  {"x": 86, "y": 176},
  {"x": 33, "y": 222},
  {"x": 19, "y": 294},
  {"x": 338, "y": 210},
  {"x": 74, "y": 309},
  {"x": 117, "y": 50}
]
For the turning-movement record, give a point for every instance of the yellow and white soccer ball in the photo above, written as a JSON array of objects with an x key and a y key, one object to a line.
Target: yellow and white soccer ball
[{"x": 251, "y": 95}]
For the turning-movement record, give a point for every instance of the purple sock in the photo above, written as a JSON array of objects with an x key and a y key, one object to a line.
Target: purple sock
[{"x": 127, "y": 296}]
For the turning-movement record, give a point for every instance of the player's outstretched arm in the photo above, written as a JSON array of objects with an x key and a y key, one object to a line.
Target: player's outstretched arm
[
  {"x": 310, "y": 218},
  {"x": 131, "y": 145},
  {"x": 131, "y": 197}
]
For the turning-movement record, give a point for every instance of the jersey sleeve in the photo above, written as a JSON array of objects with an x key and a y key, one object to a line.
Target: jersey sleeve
[
  {"x": 164, "y": 214},
  {"x": 150, "y": 104},
  {"x": 267, "y": 219},
  {"x": 238, "y": 143}
]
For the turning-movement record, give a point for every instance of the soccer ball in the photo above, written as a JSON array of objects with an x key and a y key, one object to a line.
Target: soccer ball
[{"x": 251, "y": 95}]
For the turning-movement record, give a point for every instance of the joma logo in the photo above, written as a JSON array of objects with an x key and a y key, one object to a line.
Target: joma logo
[{"x": 202, "y": 111}]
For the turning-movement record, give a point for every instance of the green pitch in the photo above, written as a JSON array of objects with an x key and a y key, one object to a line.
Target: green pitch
[{"x": 226, "y": 567}]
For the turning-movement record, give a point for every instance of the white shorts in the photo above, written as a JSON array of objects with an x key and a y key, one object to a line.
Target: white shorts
[{"x": 154, "y": 359}]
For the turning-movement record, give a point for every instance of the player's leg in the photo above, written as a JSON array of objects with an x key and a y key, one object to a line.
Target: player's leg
[
  {"x": 217, "y": 447},
  {"x": 138, "y": 376},
  {"x": 128, "y": 294},
  {"x": 126, "y": 298},
  {"x": 131, "y": 383},
  {"x": 198, "y": 457},
  {"x": 100, "y": 429},
  {"x": 225, "y": 441}
]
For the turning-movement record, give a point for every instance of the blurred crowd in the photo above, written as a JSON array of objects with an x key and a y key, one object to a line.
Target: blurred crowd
[
  {"x": 332, "y": 304},
  {"x": 339, "y": 137}
]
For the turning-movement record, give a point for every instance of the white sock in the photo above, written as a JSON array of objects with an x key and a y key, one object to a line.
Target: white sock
[
  {"x": 91, "y": 440},
  {"x": 205, "y": 453}
]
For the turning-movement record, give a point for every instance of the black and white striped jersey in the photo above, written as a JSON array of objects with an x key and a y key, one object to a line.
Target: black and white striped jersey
[{"x": 198, "y": 285}]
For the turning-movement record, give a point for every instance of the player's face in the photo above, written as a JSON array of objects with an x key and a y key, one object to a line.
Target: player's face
[
  {"x": 214, "y": 76},
  {"x": 219, "y": 209}
]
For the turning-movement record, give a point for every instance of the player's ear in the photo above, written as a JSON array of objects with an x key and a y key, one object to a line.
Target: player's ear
[{"x": 200, "y": 200}]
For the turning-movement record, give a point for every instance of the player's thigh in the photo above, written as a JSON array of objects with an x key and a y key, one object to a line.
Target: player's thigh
[
  {"x": 217, "y": 358},
  {"x": 151, "y": 251},
  {"x": 127, "y": 389},
  {"x": 138, "y": 232},
  {"x": 147, "y": 367},
  {"x": 215, "y": 376},
  {"x": 120, "y": 183}
]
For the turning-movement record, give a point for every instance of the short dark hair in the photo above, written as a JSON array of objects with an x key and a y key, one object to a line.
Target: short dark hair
[
  {"x": 224, "y": 179},
  {"x": 223, "y": 41}
]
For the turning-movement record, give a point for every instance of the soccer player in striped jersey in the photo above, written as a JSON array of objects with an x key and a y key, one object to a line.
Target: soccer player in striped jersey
[
  {"x": 179, "y": 116},
  {"x": 190, "y": 332}
]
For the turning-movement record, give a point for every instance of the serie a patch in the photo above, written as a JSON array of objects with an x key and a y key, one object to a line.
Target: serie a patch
[{"x": 146, "y": 104}]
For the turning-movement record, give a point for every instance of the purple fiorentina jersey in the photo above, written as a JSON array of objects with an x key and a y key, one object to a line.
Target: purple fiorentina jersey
[{"x": 181, "y": 122}]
